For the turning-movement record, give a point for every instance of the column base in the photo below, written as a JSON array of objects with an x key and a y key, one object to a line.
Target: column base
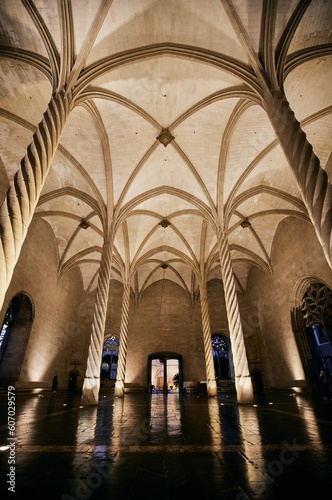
[
  {"x": 244, "y": 390},
  {"x": 90, "y": 391},
  {"x": 212, "y": 389},
  {"x": 119, "y": 389}
]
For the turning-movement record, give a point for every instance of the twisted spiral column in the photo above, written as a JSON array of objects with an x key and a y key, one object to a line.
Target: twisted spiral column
[
  {"x": 243, "y": 382},
  {"x": 312, "y": 179},
  {"x": 91, "y": 384},
  {"x": 210, "y": 372},
  {"x": 22, "y": 197},
  {"x": 121, "y": 370}
]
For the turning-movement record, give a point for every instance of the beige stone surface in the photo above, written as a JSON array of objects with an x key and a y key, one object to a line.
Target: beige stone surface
[{"x": 187, "y": 66}]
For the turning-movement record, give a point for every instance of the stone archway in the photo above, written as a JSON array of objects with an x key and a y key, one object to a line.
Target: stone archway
[
  {"x": 15, "y": 332},
  {"x": 312, "y": 327}
]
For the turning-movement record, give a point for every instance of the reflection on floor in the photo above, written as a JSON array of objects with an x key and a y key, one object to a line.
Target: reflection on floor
[{"x": 166, "y": 447}]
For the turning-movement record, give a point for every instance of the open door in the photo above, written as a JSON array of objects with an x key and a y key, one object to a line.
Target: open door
[{"x": 165, "y": 372}]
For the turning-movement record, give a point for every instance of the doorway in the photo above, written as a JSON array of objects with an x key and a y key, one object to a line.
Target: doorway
[
  {"x": 72, "y": 381},
  {"x": 165, "y": 373},
  {"x": 14, "y": 336}
]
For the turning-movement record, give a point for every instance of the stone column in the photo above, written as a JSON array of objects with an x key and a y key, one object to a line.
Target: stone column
[
  {"x": 121, "y": 370},
  {"x": 243, "y": 382},
  {"x": 312, "y": 179},
  {"x": 91, "y": 384},
  {"x": 210, "y": 371},
  {"x": 22, "y": 197}
]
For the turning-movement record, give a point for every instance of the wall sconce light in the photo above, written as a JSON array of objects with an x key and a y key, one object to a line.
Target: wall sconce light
[
  {"x": 84, "y": 224},
  {"x": 245, "y": 223},
  {"x": 165, "y": 137}
]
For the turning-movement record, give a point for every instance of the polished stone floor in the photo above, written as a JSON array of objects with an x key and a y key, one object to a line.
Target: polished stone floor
[{"x": 166, "y": 447}]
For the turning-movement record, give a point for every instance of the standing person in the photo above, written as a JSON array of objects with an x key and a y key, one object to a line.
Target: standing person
[
  {"x": 325, "y": 385},
  {"x": 55, "y": 384}
]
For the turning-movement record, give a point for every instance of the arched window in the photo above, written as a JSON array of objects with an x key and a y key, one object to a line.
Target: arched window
[
  {"x": 9, "y": 321},
  {"x": 317, "y": 306},
  {"x": 316, "y": 309},
  {"x": 220, "y": 357},
  {"x": 109, "y": 362},
  {"x": 14, "y": 336}
]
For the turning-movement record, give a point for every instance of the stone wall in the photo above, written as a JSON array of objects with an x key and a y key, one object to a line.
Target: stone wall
[
  {"x": 164, "y": 319},
  {"x": 57, "y": 337},
  {"x": 296, "y": 256}
]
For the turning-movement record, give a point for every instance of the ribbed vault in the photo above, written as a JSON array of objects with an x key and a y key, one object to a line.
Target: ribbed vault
[{"x": 203, "y": 72}]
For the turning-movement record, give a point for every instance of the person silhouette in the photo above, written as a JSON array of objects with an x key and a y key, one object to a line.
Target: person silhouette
[
  {"x": 325, "y": 385},
  {"x": 55, "y": 384}
]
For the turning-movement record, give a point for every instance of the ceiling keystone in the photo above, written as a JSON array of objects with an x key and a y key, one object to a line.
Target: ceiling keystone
[
  {"x": 84, "y": 224},
  {"x": 245, "y": 223},
  {"x": 165, "y": 137},
  {"x": 164, "y": 223}
]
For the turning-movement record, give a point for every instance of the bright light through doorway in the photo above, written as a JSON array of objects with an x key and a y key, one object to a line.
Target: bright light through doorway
[{"x": 161, "y": 373}]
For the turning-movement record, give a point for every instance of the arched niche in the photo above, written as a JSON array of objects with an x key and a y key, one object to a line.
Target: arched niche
[{"x": 15, "y": 332}]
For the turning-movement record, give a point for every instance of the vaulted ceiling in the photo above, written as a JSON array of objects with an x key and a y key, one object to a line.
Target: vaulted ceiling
[{"x": 179, "y": 67}]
